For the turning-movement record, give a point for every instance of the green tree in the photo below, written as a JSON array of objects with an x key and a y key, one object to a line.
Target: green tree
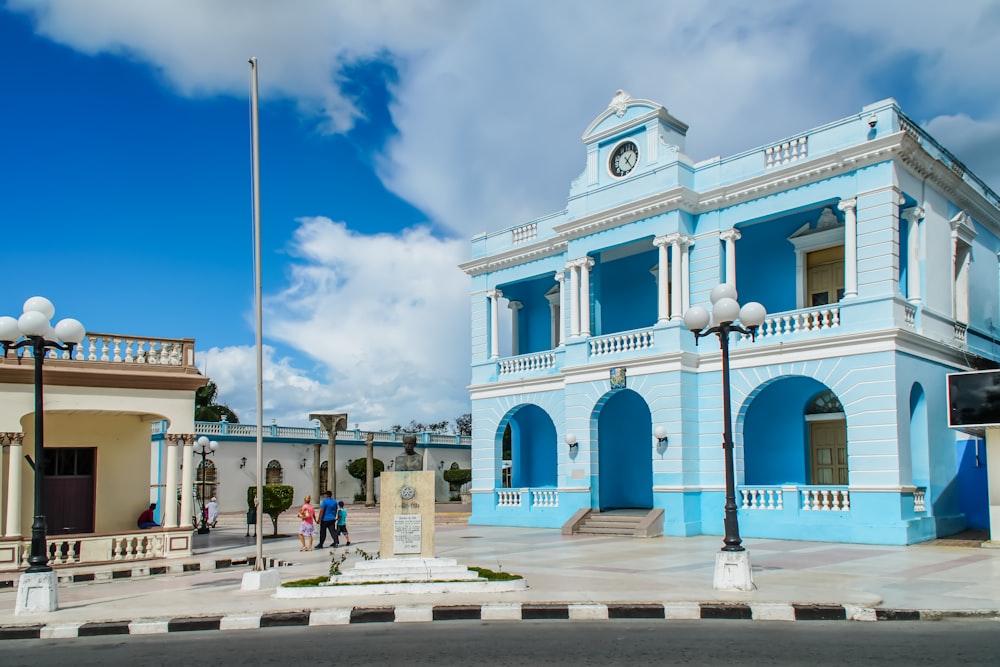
[
  {"x": 277, "y": 499},
  {"x": 419, "y": 427},
  {"x": 463, "y": 424},
  {"x": 358, "y": 469},
  {"x": 207, "y": 410}
]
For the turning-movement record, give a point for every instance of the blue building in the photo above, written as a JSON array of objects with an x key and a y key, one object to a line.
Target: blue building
[{"x": 874, "y": 252}]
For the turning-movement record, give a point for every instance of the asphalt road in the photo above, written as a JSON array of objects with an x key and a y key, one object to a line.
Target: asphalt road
[{"x": 618, "y": 642}]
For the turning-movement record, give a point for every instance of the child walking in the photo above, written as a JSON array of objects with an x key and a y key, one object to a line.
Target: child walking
[{"x": 342, "y": 522}]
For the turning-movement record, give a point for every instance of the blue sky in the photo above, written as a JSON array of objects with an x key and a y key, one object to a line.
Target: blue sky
[{"x": 390, "y": 134}]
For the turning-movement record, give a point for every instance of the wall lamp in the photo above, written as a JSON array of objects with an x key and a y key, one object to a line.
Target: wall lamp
[
  {"x": 243, "y": 462},
  {"x": 303, "y": 464},
  {"x": 571, "y": 441},
  {"x": 661, "y": 434},
  {"x": 440, "y": 465}
]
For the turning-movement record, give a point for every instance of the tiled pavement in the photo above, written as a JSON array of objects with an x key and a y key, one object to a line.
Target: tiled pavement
[{"x": 568, "y": 577}]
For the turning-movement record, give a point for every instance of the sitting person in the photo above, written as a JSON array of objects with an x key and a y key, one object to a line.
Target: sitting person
[{"x": 146, "y": 518}]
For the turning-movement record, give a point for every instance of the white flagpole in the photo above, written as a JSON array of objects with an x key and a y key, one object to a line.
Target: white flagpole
[{"x": 258, "y": 303}]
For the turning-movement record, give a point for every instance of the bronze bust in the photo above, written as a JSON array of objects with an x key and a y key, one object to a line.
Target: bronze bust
[{"x": 410, "y": 460}]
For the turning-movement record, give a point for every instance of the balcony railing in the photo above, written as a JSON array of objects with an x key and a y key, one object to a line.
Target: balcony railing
[
  {"x": 273, "y": 431},
  {"x": 73, "y": 550},
  {"x": 811, "y": 498},
  {"x": 526, "y": 363},
  {"x": 799, "y": 321},
  {"x": 626, "y": 341},
  {"x": 536, "y": 498}
]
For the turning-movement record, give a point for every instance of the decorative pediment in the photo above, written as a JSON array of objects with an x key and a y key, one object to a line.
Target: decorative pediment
[
  {"x": 827, "y": 233},
  {"x": 625, "y": 113},
  {"x": 962, "y": 225}
]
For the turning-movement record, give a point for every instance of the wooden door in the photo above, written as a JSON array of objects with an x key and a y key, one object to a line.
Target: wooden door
[
  {"x": 824, "y": 276},
  {"x": 70, "y": 486},
  {"x": 828, "y": 452}
]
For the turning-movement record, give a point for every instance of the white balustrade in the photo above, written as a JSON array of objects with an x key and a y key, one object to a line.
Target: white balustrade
[
  {"x": 626, "y": 341},
  {"x": 786, "y": 152},
  {"x": 508, "y": 498},
  {"x": 527, "y": 362},
  {"x": 814, "y": 319},
  {"x": 836, "y": 500},
  {"x": 918, "y": 500},
  {"x": 961, "y": 331},
  {"x": 762, "y": 499},
  {"x": 524, "y": 233},
  {"x": 909, "y": 315},
  {"x": 83, "y": 549},
  {"x": 544, "y": 498},
  {"x": 116, "y": 349}
]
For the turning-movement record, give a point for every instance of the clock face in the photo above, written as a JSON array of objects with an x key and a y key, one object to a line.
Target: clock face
[
  {"x": 623, "y": 159},
  {"x": 407, "y": 492}
]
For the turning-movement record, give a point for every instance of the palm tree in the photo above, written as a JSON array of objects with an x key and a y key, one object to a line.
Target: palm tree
[{"x": 207, "y": 410}]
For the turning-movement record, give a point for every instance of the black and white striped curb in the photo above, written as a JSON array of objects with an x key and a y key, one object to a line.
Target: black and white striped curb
[
  {"x": 151, "y": 570},
  {"x": 487, "y": 612}
]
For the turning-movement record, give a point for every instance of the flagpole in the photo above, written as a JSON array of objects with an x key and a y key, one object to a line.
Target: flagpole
[{"x": 258, "y": 306}]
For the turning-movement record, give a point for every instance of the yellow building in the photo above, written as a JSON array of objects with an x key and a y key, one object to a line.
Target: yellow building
[{"x": 100, "y": 472}]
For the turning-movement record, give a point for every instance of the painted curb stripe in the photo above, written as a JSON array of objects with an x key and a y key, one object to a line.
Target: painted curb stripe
[
  {"x": 194, "y": 623},
  {"x": 284, "y": 619},
  {"x": 537, "y": 612},
  {"x": 101, "y": 629},
  {"x": 21, "y": 632},
  {"x": 897, "y": 614},
  {"x": 121, "y": 574},
  {"x": 373, "y": 615},
  {"x": 192, "y": 567},
  {"x": 457, "y": 613},
  {"x": 636, "y": 611},
  {"x": 819, "y": 612},
  {"x": 714, "y": 610},
  {"x": 159, "y": 569},
  {"x": 80, "y": 578}
]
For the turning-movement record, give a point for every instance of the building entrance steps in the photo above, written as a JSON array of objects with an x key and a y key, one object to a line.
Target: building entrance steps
[{"x": 624, "y": 522}]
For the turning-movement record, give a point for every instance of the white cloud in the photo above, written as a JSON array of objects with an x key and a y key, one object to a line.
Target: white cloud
[
  {"x": 975, "y": 143},
  {"x": 493, "y": 96}
]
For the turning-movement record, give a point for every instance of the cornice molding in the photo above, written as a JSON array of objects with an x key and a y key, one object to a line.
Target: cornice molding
[
  {"x": 519, "y": 255},
  {"x": 103, "y": 375}
]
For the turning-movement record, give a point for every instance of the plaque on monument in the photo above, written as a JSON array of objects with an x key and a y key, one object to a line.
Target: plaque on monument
[{"x": 406, "y": 534}]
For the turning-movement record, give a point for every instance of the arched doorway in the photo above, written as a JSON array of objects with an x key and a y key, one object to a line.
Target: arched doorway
[
  {"x": 625, "y": 451},
  {"x": 532, "y": 448},
  {"x": 794, "y": 432}
]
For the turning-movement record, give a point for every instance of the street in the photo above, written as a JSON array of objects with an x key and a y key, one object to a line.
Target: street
[{"x": 948, "y": 642}]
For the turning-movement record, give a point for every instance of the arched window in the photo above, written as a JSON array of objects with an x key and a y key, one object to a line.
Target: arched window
[
  {"x": 825, "y": 403},
  {"x": 208, "y": 479},
  {"x": 274, "y": 474},
  {"x": 324, "y": 475}
]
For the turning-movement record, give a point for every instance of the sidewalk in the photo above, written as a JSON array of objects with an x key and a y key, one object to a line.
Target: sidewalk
[{"x": 577, "y": 576}]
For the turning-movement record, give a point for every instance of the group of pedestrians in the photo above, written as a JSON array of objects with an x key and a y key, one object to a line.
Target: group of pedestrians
[{"x": 331, "y": 517}]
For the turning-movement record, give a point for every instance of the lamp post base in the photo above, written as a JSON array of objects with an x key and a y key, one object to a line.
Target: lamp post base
[
  {"x": 37, "y": 593},
  {"x": 732, "y": 571},
  {"x": 263, "y": 580}
]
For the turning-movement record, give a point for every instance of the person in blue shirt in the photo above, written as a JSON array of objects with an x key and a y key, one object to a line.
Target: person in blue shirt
[
  {"x": 342, "y": 523},
  {"x": 328, "y": 519}
]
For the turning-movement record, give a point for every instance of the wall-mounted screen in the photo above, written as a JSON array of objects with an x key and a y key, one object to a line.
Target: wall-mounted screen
[{"x": 974, "y": 400}]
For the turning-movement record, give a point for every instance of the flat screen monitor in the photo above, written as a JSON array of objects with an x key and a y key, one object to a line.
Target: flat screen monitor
[{"x": 974, "y": 400}]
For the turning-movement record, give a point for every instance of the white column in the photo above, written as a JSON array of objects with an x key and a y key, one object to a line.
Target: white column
[
  {"x": 574, "y": 299},
  {"x": 515, "y": 337},
  {"x": 730, "y": 236},
  {"x": 168, "y": 512},
  {"x": 676, "y": 284},
  {"x": 662, "y": 281},
  {"x": 559, "y": 319},
  {"x": 585, "y": 265},
  {"x": 14, "y": 462},
  {"x": 913, "y": 216},
  {"x": 684, "y": 247},
  {"x": 850, "y": 209},
  {"x": 494, "y": 297},
  {"x": 993, "y": 483},
  {"x": 187, "y": 480}
]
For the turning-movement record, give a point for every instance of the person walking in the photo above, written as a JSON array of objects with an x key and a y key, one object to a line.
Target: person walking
[
  {"x": 306, "y": 529},
  {"x": 342, "y": 522},
  {"x": 327, "y": 514},
  {"x": 213, "y": 512}
]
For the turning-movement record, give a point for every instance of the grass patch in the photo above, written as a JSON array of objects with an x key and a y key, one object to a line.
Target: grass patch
[
  {"x": 491, "y": 575},
  {"x": 302, "y": 583}
]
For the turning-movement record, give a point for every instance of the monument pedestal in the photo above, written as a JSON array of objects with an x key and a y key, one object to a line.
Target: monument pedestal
[{"x": 406, "y": 517}]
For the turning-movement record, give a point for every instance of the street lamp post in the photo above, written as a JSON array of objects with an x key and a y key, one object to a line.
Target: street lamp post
[
  {"x": 205, "y": 448},
  {"x": 33, "y": 329},
  {"x": 732, "y": 566}
]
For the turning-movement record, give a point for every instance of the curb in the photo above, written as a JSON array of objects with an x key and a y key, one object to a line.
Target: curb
[
  {"x": 488, "y": 612},
  {"x": 152, "y": 570}
]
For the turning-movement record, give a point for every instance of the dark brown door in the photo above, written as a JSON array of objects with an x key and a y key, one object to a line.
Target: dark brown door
[{"x": 68, "y": 504}]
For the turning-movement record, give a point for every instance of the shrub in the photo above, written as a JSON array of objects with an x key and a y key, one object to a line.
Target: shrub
[
  {"x": 358, "y": 469},
  {"x": 277, "y": 499},
  {"x": 458, "y": 476}
]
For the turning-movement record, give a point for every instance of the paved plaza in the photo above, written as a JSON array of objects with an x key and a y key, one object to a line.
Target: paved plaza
[{"x": 582, "y": 576}]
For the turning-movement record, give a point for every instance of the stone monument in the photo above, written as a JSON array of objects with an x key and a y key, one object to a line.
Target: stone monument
[{"x": 406, "y": 518}]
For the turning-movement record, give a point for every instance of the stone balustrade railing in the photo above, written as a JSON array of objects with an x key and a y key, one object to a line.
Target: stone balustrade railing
[
  {"x": 524, "y": 233},
  {"x": 71, "y": 550},
  {"x": 786, "y": 152},
  {"x": 826, "y": 500},
  {"x": 508, "y": 498},
  {"x": 625, "y": 341},
  {"x": 818, "y": 498},
  {"x": 544, "y": 498},
  {"x": 799, "y": 321},
  {"x": 919, "y": 494},
  {"x": 763, "y": 498},
  {"x": 526, "y": 363},
  {"x": 315, "y": 433}
]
